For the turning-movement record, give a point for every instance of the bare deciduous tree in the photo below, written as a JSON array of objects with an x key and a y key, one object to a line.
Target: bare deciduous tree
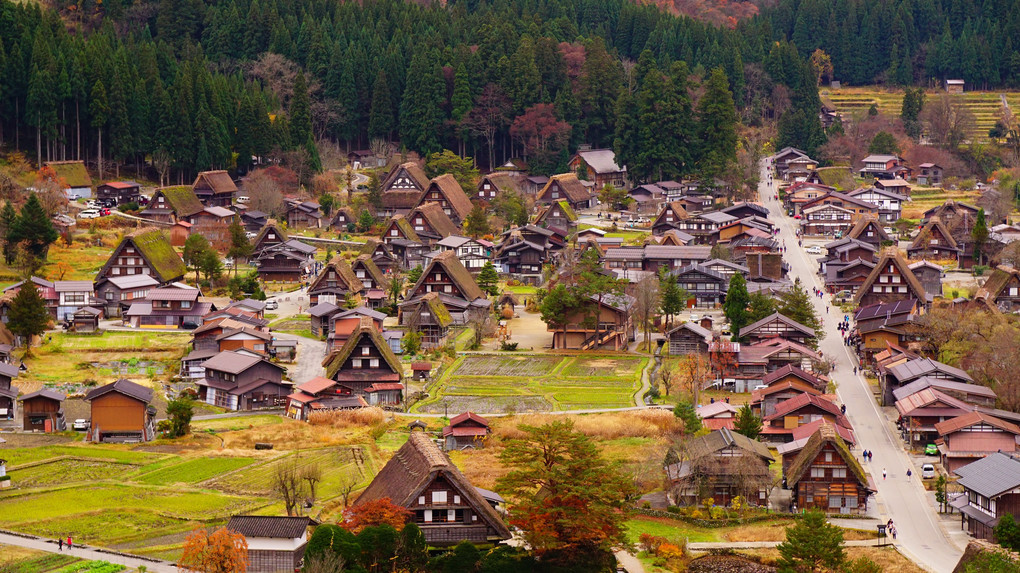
[
  {"x": 646, "y": 302},
  {"x": 312, "y": 475},
  {"x": 287, "y": 484},
  {"x": 263, "y": 193},
  {"x": 347, "y": 484},
  {"x": 325, "y": 562},
  {"x": 948, "y": 120},
  {"x": 694, "y": 371}
]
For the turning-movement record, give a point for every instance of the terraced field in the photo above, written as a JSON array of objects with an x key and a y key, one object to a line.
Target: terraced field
[
  {"x": 193, "y": 471},
  {"x": 336, "y": 465},
  {"x": 522, "y": 383},
  {"x": 986, "y": 106}
]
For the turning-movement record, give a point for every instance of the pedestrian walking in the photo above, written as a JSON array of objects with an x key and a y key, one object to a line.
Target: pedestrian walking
[
  {"x": 60, "y": 544},
  {"x": 909, "y": 473},
  {"x": 893, "y": 530},
  {"x": 855, "y": 371},
  {"x": 884, "y": 474},
  {"x": 871, "y": 454},
  {"x": 69, "y": 545}
]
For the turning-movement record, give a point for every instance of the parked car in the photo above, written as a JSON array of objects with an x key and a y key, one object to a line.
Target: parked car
[
  {"x": 243, "y": 199},
  {"x": 931, "y": 450},
  {"x": 251, "y": 235},
  {"x": 927, "y": 471},
  {"x": 272, "y": 304},
  {"x": 89, "y": 214},
  {"x": 80, "y": 425},
  {"x": 814, "y": 250}
]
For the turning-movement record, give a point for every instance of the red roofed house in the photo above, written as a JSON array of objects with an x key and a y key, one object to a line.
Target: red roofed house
[
  {"x": 321, "y": 394},
  {"x": 796, "y": 412},
  {"x": 973, "y": 436},
  {"x": 718, "y": 415},
  {"x": 920, "y": 412},
  {"x": 467, "y": 430}
]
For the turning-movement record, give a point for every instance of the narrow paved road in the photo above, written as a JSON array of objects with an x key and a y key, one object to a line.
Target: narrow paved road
[
  {"x": 88, "y": 553},
  {"x": 920, "y": 535}
]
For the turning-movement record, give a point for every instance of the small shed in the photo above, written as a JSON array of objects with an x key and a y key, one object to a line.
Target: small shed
[
  {"x": 275, "y": 543},
  {"x": 954, "y": 86},
  {"x": 87, "y": 319},
  {"x": 179, "y": 233},
  {"x": 44, "y": 411},
  {"x": 467, "y": 430},
  {"x": 421, "y": 370},
  {"x": 283, "y": 349}
]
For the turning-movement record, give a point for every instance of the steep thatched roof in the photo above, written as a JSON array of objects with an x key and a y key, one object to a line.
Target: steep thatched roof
[
  {"x": 155, "y": 248},
  {"x": 181, "y": 199},
  {"x": 72, "y": 172},
  {"x": 571, "y": 186},
  {"x": 997, "y": 281},
  {"x": 364, "y": 261},
  {"x": 412, "y": 170},
  {"x": 826, "y": 434},
  {"x": 440, "y": 222},
  {"x": 934, "y": 226},
  {"x": 215, "y": 181},
  {"x": 892, "y": 256},
  {"x": 446, "y": 184},
  {"x": 448, "y": 262},
  {"x": 343, "y": 271},
  {"x": 366, "y": 329},
  {"x": 863, "y": 223},
  {"x": 417, "y": 464}
]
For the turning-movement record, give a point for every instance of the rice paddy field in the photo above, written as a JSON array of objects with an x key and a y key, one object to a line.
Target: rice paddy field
[
  {"x": 523, "y": 383},
  {"x": 986, "y": 106}
]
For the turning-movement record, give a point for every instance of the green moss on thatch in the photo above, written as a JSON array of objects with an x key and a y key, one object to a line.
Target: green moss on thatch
[
  {"x": 154, "y": 245},
  {"x": 182, "y": 200}
]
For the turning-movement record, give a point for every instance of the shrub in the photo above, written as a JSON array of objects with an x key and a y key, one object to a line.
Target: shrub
[{"x": 508, "y": 346}]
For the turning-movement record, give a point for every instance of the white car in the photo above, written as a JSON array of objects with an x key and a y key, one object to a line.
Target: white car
[
  {"x": 927, "y": 471},
  {"x": 89, "y": 214},
  {"x": 250, "y": 235},
  {"x": 80, "y": 425},
  {"x": 814, "y": 250},
  {"x": 243, "y": 199},
  {"x": 272, "y": 304}
]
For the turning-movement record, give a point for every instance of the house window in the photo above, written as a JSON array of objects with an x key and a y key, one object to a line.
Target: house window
[
  {"x": 839, "y": 472},
  {"x": 428, "y": 516},
  {"x": 373, "y": 363},
  {"x": 828, "y": 456},
  {"x": 451, "y": 515},
  {"x": 365, "y": 351},
  {"x": 439, "y": 497},
  {"x": 421, "y": 500},
  {"x": 356, "y": 363},
  {"x": 393, "y": 232},
  {"x": 817, "y": 472},
  {"x": 185, "y": 304},
  {"x": 456, "y": 499},
  {"x": 1012, "y": 291}
]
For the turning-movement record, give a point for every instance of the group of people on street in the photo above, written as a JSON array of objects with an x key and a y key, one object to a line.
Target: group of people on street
[
  {"x": 60, "y": 543},
  {"x": 867, "y": 454},
  {"x": 890, "y": 528}
]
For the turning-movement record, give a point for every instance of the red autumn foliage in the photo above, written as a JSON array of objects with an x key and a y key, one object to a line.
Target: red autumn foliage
[
  {"x": 287, "y": 179},
  {"x": 375, "y": 512}
]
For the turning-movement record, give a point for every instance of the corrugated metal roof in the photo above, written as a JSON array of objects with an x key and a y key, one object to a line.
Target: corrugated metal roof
[{"x": 991, "y": 476}]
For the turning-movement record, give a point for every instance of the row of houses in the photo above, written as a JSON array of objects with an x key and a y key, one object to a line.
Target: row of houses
[{"x": 794, "y": 165}]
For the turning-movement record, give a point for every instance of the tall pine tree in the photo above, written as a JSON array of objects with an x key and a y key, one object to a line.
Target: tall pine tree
[{"x": 717, "y": 128}]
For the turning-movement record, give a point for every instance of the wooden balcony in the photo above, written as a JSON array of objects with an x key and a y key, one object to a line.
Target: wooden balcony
[{"x": 453, "y": 533}]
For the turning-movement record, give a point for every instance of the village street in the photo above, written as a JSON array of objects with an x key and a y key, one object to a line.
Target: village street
[{"x": 920, "y": 534}]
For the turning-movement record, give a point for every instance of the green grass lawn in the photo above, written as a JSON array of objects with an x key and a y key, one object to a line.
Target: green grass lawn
[
  {"x": 562, "y": 383},
  {"x": 193, "y": 471},
  {"x": 114, "y": 454},
  {"x": 240, "y": 423},
  {"x": 47, "y": 562},
  {"x": 675, "y": 530},
  {"x": 521, "y": 289},
  {"x": 113, "y": 340},
  {"x": 336, "y": 465}
]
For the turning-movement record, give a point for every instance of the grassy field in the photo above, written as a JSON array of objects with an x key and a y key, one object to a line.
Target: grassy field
[
  {"x": 18, "y": 560},
  {"x": 194, "y": 471},
  {"x": 70, "y": 359},
  {"x": 527, "y": 383},
  {"x": 986, "y": 106}
]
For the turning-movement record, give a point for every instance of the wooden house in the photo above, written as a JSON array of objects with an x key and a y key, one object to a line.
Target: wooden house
[
  {"x": 827, "y": 477},
  {"x": 879, "y": 325},
  {"x": 533, "y": 184},
  {"x": 930, "y": 275},
  {"x": 493, "y": 184},
  {"x": 764, "y": 401},
  {"x": 72, "y": 297},
  {"x": 269, "y": 235},
  {"x": 319, "y": 394},
  {"x": 179, "y": 233},
  {"x": 214, "y": 188},
  {"x": 930, "y": 174},
  {"x": 172, "y": 204},
  {"x": 75, "y": 177},
  {"x": 557, "y": 215},
  {"x": 243, "y": 381},
  {"x": 1002, "y": 289},
  {"x": 450, "y": 196},
  {"x": 402, "y": 188},
  {"x": 951, "y": 212},
  {"x": 447, "y": 508},
  {"x": 973, "y": 436},
  {"x": 896, "y": 185},
  {"x": 884, "y": 167},
  {"x": 857, "y": 207},
  {"x": 118, "y": 293},
  {"x": 788, "y": 451},
  {"x": 344, "y": 219},
  {"x": 725, "y": 268},
  {"x": 168, "y": 307},
  {"x": 667, "y": 218},
  {"x": 795, "y": 412},
  {"x": 935, "y": 241},
  {"x": 991, "y": 490},
  {"x": 366, "y": 366},
  {"x": 146, "y": 251},
  {"x": 778, "y": 325},
  {"x": 466, "y": 430},
  {"x": 869, "y": 230},
  {"x": 473, "y": 253},
  {"x": 321, "y": 316},
  {"x": 705, "y": 286},
  {"x": 121, "y": 413},
  {"x": 431, "y": 224},
  {"x": 344, "y": 323},
  {"x": 213, "y": 223},
  {"x": 380, "y": 254},
  {"x": 688, "y": 338},
  {"x": 800, "y": 168},
  {"x": 43, "y": 411},
  {"x": 615, "y": 325},
  {"x": 376, "y": 285},
  {"x": 458, "y": 292},
  {"x": 336, "y": 283},
  {"x": 647, "y": 198},
  {"x": 782, "y": 158},
  {"x": 290, "y": 261},
  {"x": 704, "y": 227},
  {"x": 8, "y": 392},
  {"x": 717, "y": 415},
  {"x": 972, "y": 394},
  {"x": 567, "y": 187},
  {"x": 304, "y": 215},
  {"x": 801, "y": 193},
  {"x": 599, "y": 165},
  {"x": 119, "y": 192},
  {"x": 889, "y": 202},
  {"x": 891, "y": 280},
  {"x": 826, "y": 220},
  {"x": 720, "y": 465},
  {"x": 906, "y": 371},
  {"x": 86, "y": 319},
  {"x": 275, "y": 543},
  {"x": 522, "y": 259},
  {"x": 244, "y": 339},
  {"x": 253, "y": 221},
  {"x": 920, "y": 411}
]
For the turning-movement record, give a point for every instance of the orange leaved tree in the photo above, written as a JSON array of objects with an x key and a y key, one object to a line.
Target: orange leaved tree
[
  {"x": 376, "y": 512},
  {"x": 221, "y": 551}
]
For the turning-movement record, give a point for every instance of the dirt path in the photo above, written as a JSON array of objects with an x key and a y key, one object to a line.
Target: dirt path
[{"x": 91, "y": 553}]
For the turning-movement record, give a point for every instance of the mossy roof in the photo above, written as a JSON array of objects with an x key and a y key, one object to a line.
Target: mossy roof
[
  {"x": 336, "y": 360},
  {"x": 365, "y": 261},
  {"x": 182, "y": 200},
  {"x": 405, "y": 228},
  {"x": 567, "y": 211},
  {"x": 825, "y": 434},
  {"x": 344, "y": 271},
  {"x": 73, "y": 173}
]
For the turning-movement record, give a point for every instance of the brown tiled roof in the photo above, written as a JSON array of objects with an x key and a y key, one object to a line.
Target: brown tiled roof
[
  {"x": 125, "y": 387},
  {"x": 892, "y": 256},
  {"x": 459, "y": 202},
  {"x": 232, "y": 362},
  {"x": 571, "y": 186},
  {"x": 274, "y": 526},
  {"x": 824, "y": 435},
  {"x": 971, "y": 418},
  {"x": 781, "y": 318},
  {"x": 789, "y": 370},
  {"x": 449, "y": 262},
  {"x": 416, "y": 465},
  {"x": 437, "y": 218},
  {"x": 217, "y": 181}
]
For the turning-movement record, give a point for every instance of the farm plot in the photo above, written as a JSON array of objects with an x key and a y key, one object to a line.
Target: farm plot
[
  {"x": 65, "y": 471},
  {"x": 541, "y": 383},
  {"x": 507, "y": 365},
  {"x": 20, "y": 456},
  {"x": 38, "y": 564},
  {"x": 336, "y": 465},
  {"x": 193, "y": 471}
]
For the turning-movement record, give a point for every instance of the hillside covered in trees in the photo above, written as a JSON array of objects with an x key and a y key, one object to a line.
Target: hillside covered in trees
[{"x": 187, "y": 85}]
